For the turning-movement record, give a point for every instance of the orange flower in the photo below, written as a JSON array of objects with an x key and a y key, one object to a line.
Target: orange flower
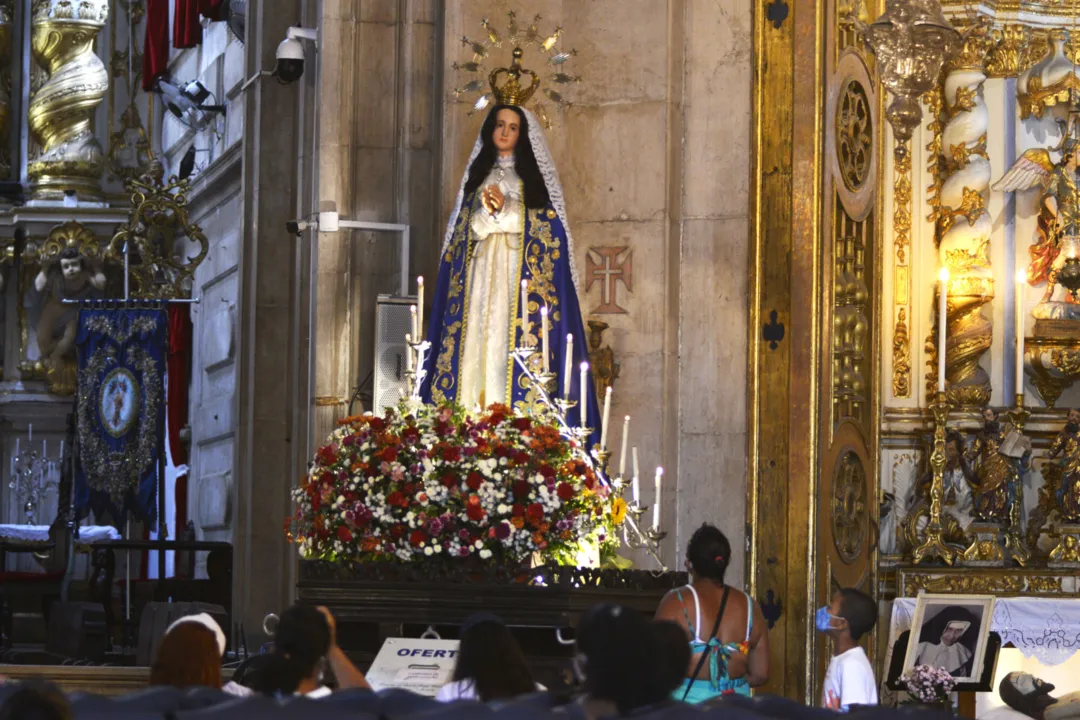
[
  {"x": 517, "y": 522},
  {"x": 538, "y": 537}
]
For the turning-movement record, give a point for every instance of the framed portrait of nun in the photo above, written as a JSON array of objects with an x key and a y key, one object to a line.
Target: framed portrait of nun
[{"x": 951, "y": 632}]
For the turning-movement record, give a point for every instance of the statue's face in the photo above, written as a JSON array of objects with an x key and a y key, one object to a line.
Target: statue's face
[
  {"x": 989, "y": 415},
  {"x": 1074, "y": 417},
  {"x": 951, "y": 451},
  {"x": 952, "y": 635},
  {"x": 71, "y": 267},
  {"x": 507, "y": 129},
  {"x": 1027, "y": 684}
]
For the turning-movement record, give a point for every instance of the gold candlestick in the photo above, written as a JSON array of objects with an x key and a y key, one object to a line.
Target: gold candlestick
[
  {"x": 934, "y": 545},
  {"x": 602, "y": 457},
  {"x": 1014, "y": 538}
]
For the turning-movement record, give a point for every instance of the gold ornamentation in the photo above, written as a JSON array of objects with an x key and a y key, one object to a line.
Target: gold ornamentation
[
  {"x": 934, "y": 545},
  {"x": 851, "y": 327},
  {"x": 1067, "y": 552},
  {"x": 901, "y": 382},
  {"x": 986, "y": 582},
  {"x": 62, "y": 40},
  {"x": 160, "y": 233},
  {"x": 849, "y": 511},
  {"x": 601, "y": 358},
  {"x": 5, "y": 83},
  {"x": 1005, "y": 59},
  {"x": 972, "y": 53},
  {"x": 129, "y": 152},
  {"x": 902, "y": 205},
  {"x": 854, "y": 144},
  {"x": 1055, "y": 365},
  {"x": 985, "y": 548},
  {"x": 511, "y": 92}
]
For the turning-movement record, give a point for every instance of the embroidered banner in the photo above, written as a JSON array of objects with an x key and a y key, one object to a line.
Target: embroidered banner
[{"x": 121, "y": 411}]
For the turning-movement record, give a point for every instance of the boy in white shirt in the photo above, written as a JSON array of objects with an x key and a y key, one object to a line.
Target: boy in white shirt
[{"x": 850, "y": 678}]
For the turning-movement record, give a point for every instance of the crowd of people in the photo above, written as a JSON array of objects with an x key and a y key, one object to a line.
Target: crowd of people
[{"x": 706, "y": 642}]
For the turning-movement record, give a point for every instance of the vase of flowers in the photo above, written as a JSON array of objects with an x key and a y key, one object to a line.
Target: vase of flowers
[
  {"x": 434, "y": 483},
  {"x": 930, "y": 686}
]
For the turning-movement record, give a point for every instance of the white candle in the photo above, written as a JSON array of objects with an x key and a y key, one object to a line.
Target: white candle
[
  {"x": 568, "y": 367},
  {"x": 1020, "y": 281},
  {"x": 30, "y": 430},
  {"x": 61, "y": 450},
  {"x": 420, "y": 304},
  {"x": 622, "y": 448},
  {"x": 607, "y": 418},
  {"x": 16, "y": 448},
  {"x": 415, "y": 322},
  {"x": 544, "y": 331},
  {"x": 584, "y": 405},
  {"x": 525, "y": 313},
  {"x": 634, "y": 486},
  {"x": 44, "y": 447},
  {"x": 408, "y": 352},
  {"x": 656, "y": 502},
  {"x": 943, "y": 276}
]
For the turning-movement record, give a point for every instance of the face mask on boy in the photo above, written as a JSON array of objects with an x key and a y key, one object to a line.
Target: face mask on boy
[{"x": 824, "y": 620}]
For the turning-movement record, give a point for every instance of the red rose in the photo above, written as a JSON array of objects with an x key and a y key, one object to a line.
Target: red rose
[
  {"x": 522, "y": 458},
  {"x": 452, "y": 454},
  {"x": 449, "y": 480},
  {"x": 344, "y": 534},
  {"x": 376, "y": 423},
  {"x": 316, "y": 502},
  {"x": 475, "y": 513},
  {"x": 590, "y": 481},
  {"x": 521, "y": 489},
  {"x": 395, "y": 498},
  {"x": 547, "y": 471},
  {"x": 397, "y": 531},
  {"x": 388, "y": 454},
  {"x": 474, "y": 481},
  {"x": 565, "y": 491},
  {"x": 496, "y": 418},
  {"x": 410, "y": 435},
  {"x": 417, "y": 538},
  {"x": 522, "y": 424},
  {"x": 328, "y": 456},
  {"x": 535, "y": 513},
  {"x": 518, "y": 510}
]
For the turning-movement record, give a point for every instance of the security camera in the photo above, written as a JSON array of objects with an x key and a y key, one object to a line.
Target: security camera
[{"x": 290, "y": 54}]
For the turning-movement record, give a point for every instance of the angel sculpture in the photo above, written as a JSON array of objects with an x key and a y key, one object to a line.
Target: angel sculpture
[{"x": 1059, "y": 213}]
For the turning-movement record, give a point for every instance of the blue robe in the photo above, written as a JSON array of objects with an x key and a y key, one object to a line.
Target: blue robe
[{"x": 545, "y": 263}]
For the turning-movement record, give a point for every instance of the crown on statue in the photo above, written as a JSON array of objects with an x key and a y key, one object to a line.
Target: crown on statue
[{"x": 511, "y": 92}]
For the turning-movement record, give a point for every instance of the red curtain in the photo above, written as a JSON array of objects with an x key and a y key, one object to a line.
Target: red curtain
[
  {"x": 156, "y": 45},
  {"x": 187, "y": 30},
  {"x": 178, "y": 361}
]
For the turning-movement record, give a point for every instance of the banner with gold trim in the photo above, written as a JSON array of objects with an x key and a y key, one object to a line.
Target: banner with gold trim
[{"x": 120, "y": 411}]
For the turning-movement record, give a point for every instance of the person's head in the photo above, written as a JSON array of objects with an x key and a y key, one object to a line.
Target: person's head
[
  {"x": 708, "y": 554},
  {"x": 36, "y": 700},
  {"x": 490, "y": 658},
  {"x": 853, "y": 614},
  {"x": 188, "y": 656},
  {"x": 71, "y": 263},
  {"x": 618, "y": 653},
  {"x": 301, "y": 642},
  {"x": 1026, "y": 693},
  {"x": 674, "y": 653},
  {"x": 1072, "y": 423},
  {"x": 954, "y": 447},
  {"x": 954, "y": 631},
  {"x": 506, "y": 131}
]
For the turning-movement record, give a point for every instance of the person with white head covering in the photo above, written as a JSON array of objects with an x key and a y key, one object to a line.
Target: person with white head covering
[
  {"x": 508, "y": 228},
  {"x": 948, "y": 654},
  {"x": 190, "y": 655}
]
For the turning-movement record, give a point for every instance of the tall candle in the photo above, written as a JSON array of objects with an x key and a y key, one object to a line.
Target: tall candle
[
  {"x": 635, "y": 490},
  {"x": 525, "y": 313},
  {"x": 415, "y": 321},
  {"x": 607, "y": 418},
  {"x": 61, "y": 450},
  {"x": 622, "y": 448},
  {"x": 408, "y": 352},
  {"x": 30, "y": 430},
  {"x": 544, "y": 332},
  {"x": 568, "y": 367},
  {"x": 44, "y": 447},
  {"x": 16, "y": 448},
  {"x": 1020, "y": 283},
  {"x": 584, "y": 395},
  {"x": 419, "y": 305},
  {"x": 656, "y": 502},
  {"x": 943, "y": 276}
]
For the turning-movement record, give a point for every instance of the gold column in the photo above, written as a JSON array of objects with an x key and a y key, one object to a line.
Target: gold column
[
  {"x": 5, "y": 98},
  {"x": 62, "y": 40}
]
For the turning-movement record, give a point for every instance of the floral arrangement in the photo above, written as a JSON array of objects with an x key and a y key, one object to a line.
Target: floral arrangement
[
  {"x": 428, "y": 482},
  {"x": 929, "y": 685}
]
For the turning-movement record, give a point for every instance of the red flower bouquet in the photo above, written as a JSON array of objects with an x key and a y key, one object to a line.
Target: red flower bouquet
[{"x": 433, "y": 482}]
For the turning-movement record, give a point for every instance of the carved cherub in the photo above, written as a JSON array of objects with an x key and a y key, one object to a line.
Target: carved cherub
[{"x": 75, "y": 279}]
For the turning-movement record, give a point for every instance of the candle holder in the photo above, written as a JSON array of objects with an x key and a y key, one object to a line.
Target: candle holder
[
  {"x": 31, "y": 480},
  {"x": 602, "y": 456},
  {"x": 655, "y": 536},
  {"x": 934, "y": 545},
  {"x": 525, "y": 353},
  {"x": 1014, "y": 536},
  {"x": 636, "y": 510},
  {"x": 565, "y": 406},
  {"x": 548, "y": 381}
]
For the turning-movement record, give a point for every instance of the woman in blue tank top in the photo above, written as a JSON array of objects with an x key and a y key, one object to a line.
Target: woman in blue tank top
[{"x": 728, "y": 639}]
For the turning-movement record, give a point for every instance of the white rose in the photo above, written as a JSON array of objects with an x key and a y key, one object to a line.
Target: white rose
[
  {"x": 478, "y": 544},
  {"x": 428, "y": 551},
  {"x": 485, "y": 554}
]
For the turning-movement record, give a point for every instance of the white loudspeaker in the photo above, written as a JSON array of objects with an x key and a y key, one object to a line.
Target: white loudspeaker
[{"x": 392, "y": 322}]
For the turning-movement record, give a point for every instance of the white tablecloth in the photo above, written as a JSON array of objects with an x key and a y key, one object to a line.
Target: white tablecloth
[
  {"x": 1047, "y": 629},
  {"x": 88, "y": 534}
]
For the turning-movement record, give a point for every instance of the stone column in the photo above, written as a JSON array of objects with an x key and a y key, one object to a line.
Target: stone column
[
  {"x": 70, "y": 157},
  {"x": 272, "y": 383}
]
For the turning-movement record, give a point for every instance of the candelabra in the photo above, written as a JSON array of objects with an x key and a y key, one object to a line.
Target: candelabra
[
  {"x": 414, "y": 376},
  {"x": 934, "y": 544},
  {"x": 1014, "y": 537},
  {"x": 33, "y": 476}
]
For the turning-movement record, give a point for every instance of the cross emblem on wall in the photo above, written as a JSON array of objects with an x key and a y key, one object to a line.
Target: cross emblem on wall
[{"x": 609, "y": 265}]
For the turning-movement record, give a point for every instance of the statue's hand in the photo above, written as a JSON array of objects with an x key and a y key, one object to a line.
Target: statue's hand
[
  {"x": 41, "y": 280},
  {"x": 493, "y": 198}
]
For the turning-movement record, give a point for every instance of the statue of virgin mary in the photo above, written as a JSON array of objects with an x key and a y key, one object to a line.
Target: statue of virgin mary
[{"x": 508, "y": 225}]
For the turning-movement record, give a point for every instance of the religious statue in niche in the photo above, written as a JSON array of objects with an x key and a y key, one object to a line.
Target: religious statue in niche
[
  {"x": 1001, "y": 457},
  {"x": 508, "y": 242},
  {"x": 1064, "y": 468},
  {"x": 1057, "y": 240},
  {"x": 69, "y": 275},
  {"x": 957, "y": 505}
]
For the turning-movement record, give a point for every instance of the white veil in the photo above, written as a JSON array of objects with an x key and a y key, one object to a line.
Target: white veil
[{"x": 551, "y": 180}]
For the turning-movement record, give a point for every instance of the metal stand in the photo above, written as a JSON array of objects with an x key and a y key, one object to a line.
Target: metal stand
[{"x": 934, "y": 546}]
